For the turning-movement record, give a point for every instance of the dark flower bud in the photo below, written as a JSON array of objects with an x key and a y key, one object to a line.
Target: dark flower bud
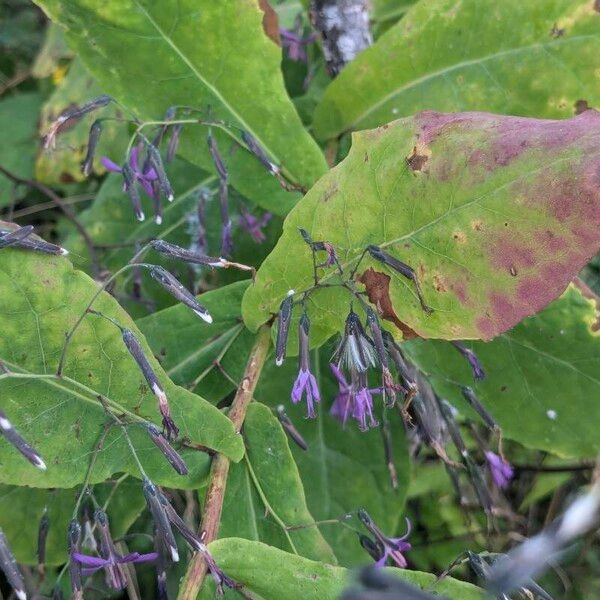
[
  {"x": 8, "y": 564},
  {"x": 226, "y": 241},
  {"x": 216, "y": 157},
  {"x": 169, "y": 452},
  {"x": 179, "y": 291},
  {"x": 283, "y": 329},
  {"x": 93, "y": 139},
  {"x": 173, "y": 142},
  {"x": 305, "y": 236},
  {"x": 448, "y": 414},
  {"x": 13, "y": 237},
  {"x": 356, "y": 350},
  {"x": 472, "y": 399},
  {"x": 135, "y": 349},
  {"x": 478, "y": 372},
  {"x": 12, "y": 436},
  {"x": 375, "y": 549},
  {"x": 387, "y": 259},
  {"x": 289, "y": 427},
  {"x": 115, "y": 571},
  {"x": 130, "y": 186},
  {"x": 478, "y": 481},
  {"x": 258, "y": 151},
  {"x": 179, "y": 253},
  {"x": 28, "y": 241},
  {"x": 43, "y": 528},
  {"x": 74, "y": 546},
  {"x": 405, "y": 372},
  {"x": 157, "y": 504},
  {"x": 163, "y": 181},
  {"x": 377, "y": 335}
]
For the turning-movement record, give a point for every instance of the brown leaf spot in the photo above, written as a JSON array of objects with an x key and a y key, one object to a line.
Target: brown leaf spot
[
  {"x": 597, "y": 5},
  {"x": 513, "y": 271},
  {"x": 582, "y": 105},
  {"x": 377, "y": 286},
  {"x": 270, "y": 21},
  {"x": 477, "y": 225},
  {"x": 438, "y": 284},
  {"x": 419, "y": 156},
  {"x": 556, "y": 32},
  {"x": 459, "y": 237},
  {"x": 328, "y": 193}
]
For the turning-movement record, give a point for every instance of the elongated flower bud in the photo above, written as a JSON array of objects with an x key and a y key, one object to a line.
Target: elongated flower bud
[
  {"x": 453, "y": 429},
  {"x": 258, "y": 151},
  {"x": 226, "y": 240},
  {"x": 135, "y": 349},
  {"x": 93, "y": 139},
  {"x": 29, "y": 242},
  {"x": 116, "y": 576},
  {"x": 478, "y": 372},
  {"x": 173, "y": 142},
  {"x": 405, "y": 372},
  {"x": 74, "y": 547},
  {"x": 43, "y": 528},
  {"x": 377, "y": 335},
  {"x": 375, "y": 549},
  {"x": 130, "y": 186},
  {"x": 163, "y": 180},
  {"x": 168, "y": 451},
  {"x": 216, "y": 157},
  {"x": 157, "y": 506},
  {"x": 179, "y": 291},
  {"x": 283, "y": 329},
  {"x": 12, "y": 436},
  {"x": 179, "y": 253},
  {"x": 13, "y": 237},
  {"x": 8, "y": 564},
  {"x": 472, "y": 399},
  {"x": 387, "y": 259},
  {"x": 289, "y": 427}
]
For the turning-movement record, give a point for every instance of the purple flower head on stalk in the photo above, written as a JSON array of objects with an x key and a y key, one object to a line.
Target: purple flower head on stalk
[
  {"x": 392, "y": 547},
  {"x": 110, "y": 560},
  {"x": 12, "y": 436},
  {"x": 354, "y": 399},
  {"x": 500, "y": 469},
  {"x": 356, "y": 351},
  {"x": 74, "y": 546},
  {"x": 254, "y": 225},
  {"x": 135, "y": 349},
  {"x": 305, "y": 384},
  {"x": 9, "y": 567},
  {"x": 295, "y": 43},
  {"x": 283, "y": 329},
  {"x": 478, "y": 372}
]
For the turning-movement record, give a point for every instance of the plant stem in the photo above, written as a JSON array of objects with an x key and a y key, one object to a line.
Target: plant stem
[{"x": 213, "y": 504}]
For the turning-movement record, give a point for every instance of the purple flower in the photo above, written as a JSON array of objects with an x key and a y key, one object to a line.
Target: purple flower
[
  {"x": 143, "y": 177},
  {"x": 501, "y": 470},
  {"x": 295, "y": 44},
  {"x": 305, "y": 383},
  {"x": 253, "y": 225},
  {"x": 354, "y": 399},
  {"x": 109, "y": 560},
  {"x": 392, "y": 547},
  {"x": 478, "y": 372}
]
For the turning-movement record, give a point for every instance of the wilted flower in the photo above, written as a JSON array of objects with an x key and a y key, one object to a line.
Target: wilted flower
[
  {"x": 110, "y": 560},
  {"x": 354, "y": 399},
  {"x": 501, "y": 470},
  {"x": 356, "y": 350},
  {"x": 253, "y": 225},
  {"x": 478, "y": 372},
  {"x": 168, "y": 451},
  {"x": 392, "y": 547},
  {"x": 305, "y": 384}
]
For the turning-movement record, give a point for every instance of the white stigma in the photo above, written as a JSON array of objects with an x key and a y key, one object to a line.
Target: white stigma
[
  {"x": 5, "y": 424},
  {"x": 64, "y": 251},
  {"x": 141, "y": 217},
  {"x": 170, "y": 198},
  {"x": 204, "y": 316},
  {"x": 279, "y": 361},
  {"x": 158, "y": 392},
  {"x": 21, "y": 594},
  {"x": 174, "y": 554},
  {"x": 39, "y": 463},
  {"x": 291, "y": 292},
  {"x": 158, "y": 219}
]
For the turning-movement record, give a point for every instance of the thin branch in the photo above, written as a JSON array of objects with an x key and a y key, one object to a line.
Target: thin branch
[{"x": 213, "y": 505}]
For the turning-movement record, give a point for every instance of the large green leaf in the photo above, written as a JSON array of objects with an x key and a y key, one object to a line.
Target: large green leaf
[
  {"x": 153, "y": 54},
  {"x": 269, "y": 476},
  {"x": 41, "y": 298},
  {"x": 527, "y": 58},
  {"x": 496, "y": 214},
  {"x": 272, "y": 573},
  {"x": 188, "y": 349},
  {"x": 18, "y": 119},
  {"x": 542, "y": 379},
  {"x": 63, "y": 164},
  {"x": 21, "y": 509},
  {"x": 343, "y": 469}
]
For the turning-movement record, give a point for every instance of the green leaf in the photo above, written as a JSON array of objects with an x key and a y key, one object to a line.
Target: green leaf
[
  {"x": 272, "y": 573},
  {"x": 512, "y": 57},
  {"x": 21, "y": 509},
  {"x": 53, "y": 51},
  {"x": 188, "y": 349},
  {"x": 153, "y": 54},
  {"x": 63, "y": 163},
  {"x": 495, "y": 214},
  {"x": 343, "y": 469},
  {"x": 264, "y": 493},
  {"x": 542, "y": 379},
  {"x": 41, "y": 298},
  {"x": 18, "y": 117}
]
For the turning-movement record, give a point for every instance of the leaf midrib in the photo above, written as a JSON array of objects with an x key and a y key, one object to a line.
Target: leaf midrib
[{"x": 467, "y": 63}]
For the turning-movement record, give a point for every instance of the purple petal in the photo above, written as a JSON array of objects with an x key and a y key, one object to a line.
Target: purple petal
[
  {"x": 109, "y": 165},
  {"x": 299, "y": 386},
  {"x": 90, "y": 561}
]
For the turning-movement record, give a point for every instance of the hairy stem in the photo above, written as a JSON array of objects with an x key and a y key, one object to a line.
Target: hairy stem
[{"x": 213, "y": 504}]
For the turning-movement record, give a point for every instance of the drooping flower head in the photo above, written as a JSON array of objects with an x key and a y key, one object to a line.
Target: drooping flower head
[
  {"x": 356, "y": 351},
  {"x": 501, "y": 470},
  {"x": 392, "y": 547},
  {"x": 305, "y": 384}
]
